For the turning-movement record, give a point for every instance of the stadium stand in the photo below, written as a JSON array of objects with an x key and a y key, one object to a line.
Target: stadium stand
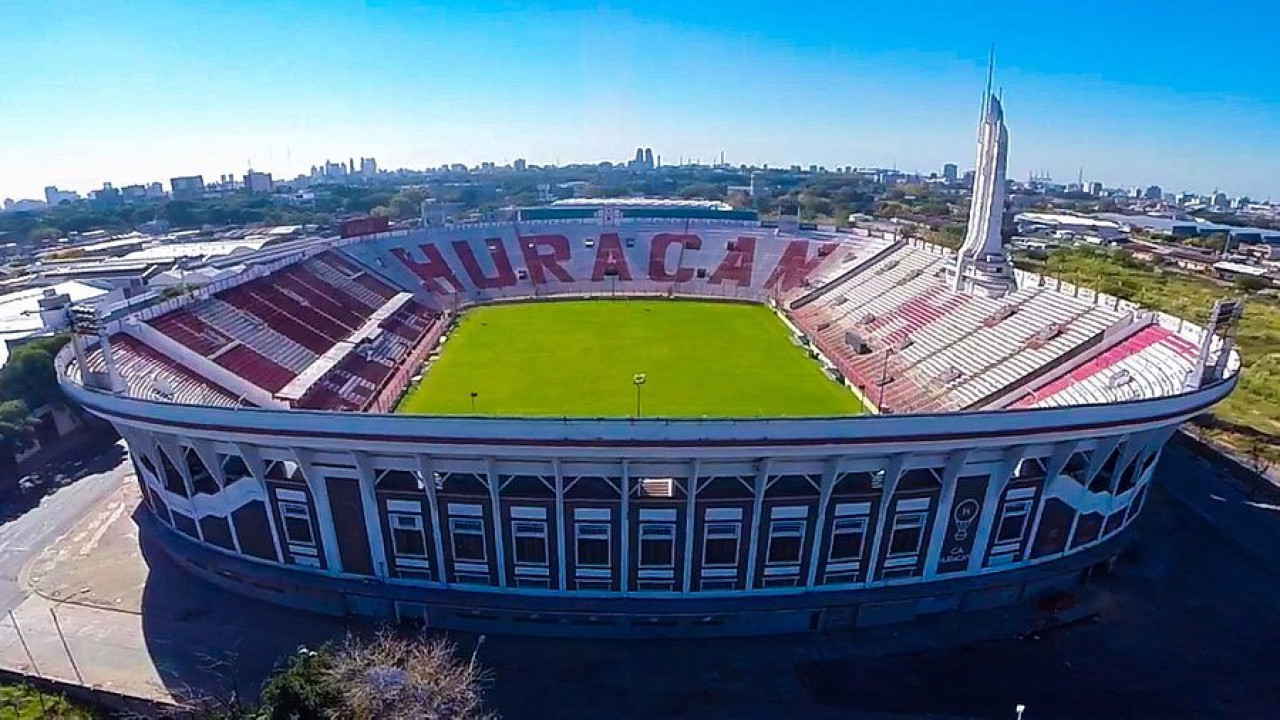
[
  {"x": 329, "y": 331},
  {"x": 154, "y": 376}
]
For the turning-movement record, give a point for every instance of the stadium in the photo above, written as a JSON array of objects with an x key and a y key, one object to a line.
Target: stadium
[{"x": 647, "y": 418}]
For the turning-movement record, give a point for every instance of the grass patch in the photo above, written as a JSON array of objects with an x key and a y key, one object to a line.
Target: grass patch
[
  {"x": 26, "y": 703},
  {"x": 578, "y": 358}
]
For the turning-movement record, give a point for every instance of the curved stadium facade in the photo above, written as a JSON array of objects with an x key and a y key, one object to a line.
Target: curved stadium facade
[{"x": 1011, "y": 438}]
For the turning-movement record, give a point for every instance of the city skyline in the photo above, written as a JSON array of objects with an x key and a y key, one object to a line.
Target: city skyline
[{"x": 423, "y": 86}]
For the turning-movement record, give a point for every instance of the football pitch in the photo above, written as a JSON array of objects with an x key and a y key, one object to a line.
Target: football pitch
[{"x": 581, "y": 358}]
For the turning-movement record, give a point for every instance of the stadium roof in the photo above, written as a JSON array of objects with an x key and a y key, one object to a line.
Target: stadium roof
[{"x": 20, "y": 311}]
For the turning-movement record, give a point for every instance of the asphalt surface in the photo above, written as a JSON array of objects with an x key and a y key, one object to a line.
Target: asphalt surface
[{"x": 48, "y": 505}]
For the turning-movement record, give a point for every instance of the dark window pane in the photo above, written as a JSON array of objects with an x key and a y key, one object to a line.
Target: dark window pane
[
  {"x": 531, "y": 549},
  {"x": 848, "y": 539},
  {"x": 409, "y": 543},
  {"x": 784, "y": 549},
  {"x": 297, "y": 530},
  {"x": 467, "y": 546},
  {"x": 906, "y": 541}
]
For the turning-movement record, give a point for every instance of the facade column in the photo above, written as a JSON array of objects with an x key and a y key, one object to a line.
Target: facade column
[
  {"x": 1062, "y": 453},
  {"x": 324, "y": 510},
  {"x": 757, "y": 508},
  {"x": 991, "y": 506},
  {"x": 561, "y": 563},
  {"x": 691, "y": 525},
  {"x": 258, "y": 471},
  {"x": 891, "y": 475},
  {"x": 427, "y": 471},
  {"x": 942, "y": 517},
  {"x": 1101, "y": 452},
  {"x": 499, "y": 554},
  {"x": 210, "y": 460},
  {"x": 624, "y": 541},
  {"x": 825, "y": 490},
  {"x": 368, "y": 483}
]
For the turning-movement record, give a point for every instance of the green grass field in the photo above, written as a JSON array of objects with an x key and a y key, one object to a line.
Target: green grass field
[{"x": 578, "y": 358}]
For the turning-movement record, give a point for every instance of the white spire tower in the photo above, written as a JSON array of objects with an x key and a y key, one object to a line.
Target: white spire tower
[{"x": 982, "y": 267}]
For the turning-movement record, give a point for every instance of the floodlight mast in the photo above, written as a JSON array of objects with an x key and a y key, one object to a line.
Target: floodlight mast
[{"x": 638, "y": 380}]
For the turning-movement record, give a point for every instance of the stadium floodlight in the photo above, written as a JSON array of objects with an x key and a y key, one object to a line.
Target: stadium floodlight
[{"x": 638, "y": 380}]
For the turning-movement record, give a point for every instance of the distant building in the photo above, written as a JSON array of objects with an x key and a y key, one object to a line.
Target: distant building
[
  {"x": 1219, "y": 199},
  {"x": 519, "y": 165},
  {"x": 258, "y": 182},
  {"x": 644, "y": 160},
  {"x": 759, "y": 188},
  {"x": 132, "y": 193},
  {"x": 1153, "y": 192},
  {"x": 1093, "y": 188},
  {"x": 108, "y": 196},
  {"x": 368, "y": 167},
  {"x": 950, "y": 173},
  {"x": 11, "y": 205},
  {"x": 54, "y": 196},
  {"x": 187, "y": 188}
]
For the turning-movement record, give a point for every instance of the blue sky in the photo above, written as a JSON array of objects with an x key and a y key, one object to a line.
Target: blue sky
[{"x": 1182, "y": 94}]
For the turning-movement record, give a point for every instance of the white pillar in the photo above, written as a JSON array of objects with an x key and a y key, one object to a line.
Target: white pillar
[
  {"x": 691, "y": 524},
  {"x": 891, "y": 474},
  {"x": 499, "y": 555},
  {"x": 257, "y": 469},
  {"x": 624, "y": 541},
  {"x": 757, "y": 507},
  {"x": 368, "y": 482},
  {"x": 942, "y": 516},
  {"x": 210, "y": 460},
  {"x": 324, "y": 510},
  {"x": 561, "y": 555},
  {"x": 991, "y": 505},
  {"x": 427, "y": 471},
  {"x": 829, "y": 477}
]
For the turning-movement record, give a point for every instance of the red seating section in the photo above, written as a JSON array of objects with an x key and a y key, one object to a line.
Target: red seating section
[{"x": 317, "y": 304}]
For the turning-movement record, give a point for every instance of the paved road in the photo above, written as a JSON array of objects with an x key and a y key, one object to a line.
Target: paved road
[{"x": 28, "y": 529}]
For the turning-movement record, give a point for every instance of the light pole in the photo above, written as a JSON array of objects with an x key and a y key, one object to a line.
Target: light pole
[
  {"x": 473, "y": 401},
  {"x": 638, "y": 381},
  {"x": 884, "y": 379}
]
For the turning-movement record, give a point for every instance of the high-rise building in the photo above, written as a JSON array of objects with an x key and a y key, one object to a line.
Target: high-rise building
[
  {"x": 368, "y": 167},
  {"x": 1094, "y": 188},
  {"x": 519, "y": 165},
  {"x": 187, "y": 188},
  {"x": 950, "y": 173},
  {"x": 258, "y": 182},
  {"x": 648, "y": 158},
  {"x": 1153, "y": 192}
]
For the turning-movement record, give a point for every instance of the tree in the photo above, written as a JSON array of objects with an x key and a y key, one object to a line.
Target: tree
[
  {"x": 304, "y": 689},
  {"x": 1250, "y": 283},
  {"x": 16, "y": 426},
  {"x": 29, "y": 375},
  {"x": 387, "y": 676}
]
